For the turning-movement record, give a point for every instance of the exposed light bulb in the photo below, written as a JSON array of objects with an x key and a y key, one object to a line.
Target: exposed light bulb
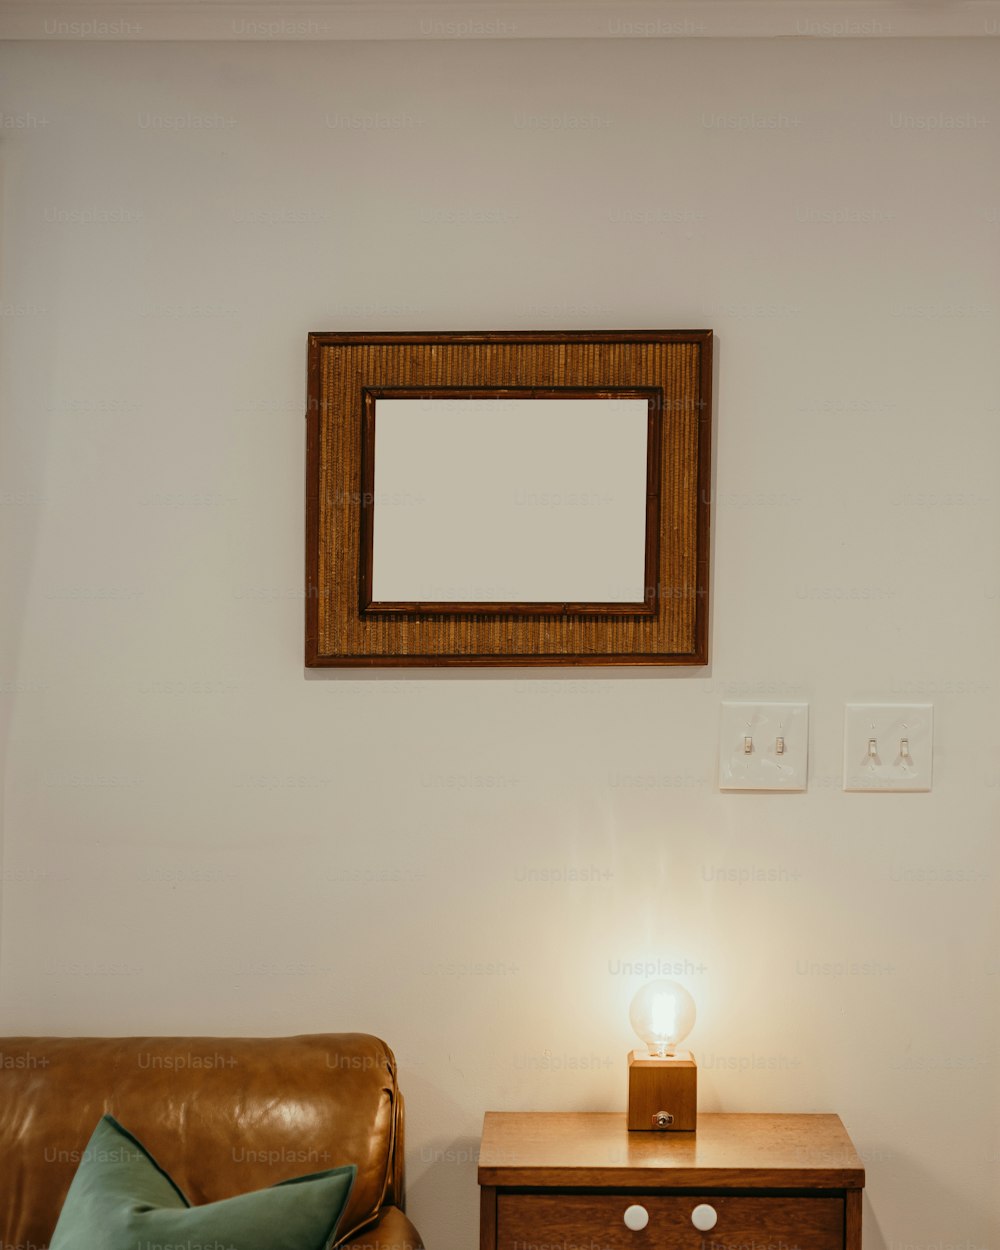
[{"x": 662, "y": 1014}]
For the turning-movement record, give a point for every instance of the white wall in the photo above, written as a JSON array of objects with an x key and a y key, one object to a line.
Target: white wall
[{"x": 201, "y": 838}]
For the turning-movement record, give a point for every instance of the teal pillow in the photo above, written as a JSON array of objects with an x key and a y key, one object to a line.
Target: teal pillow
[{"x": 121, "y": 1199}]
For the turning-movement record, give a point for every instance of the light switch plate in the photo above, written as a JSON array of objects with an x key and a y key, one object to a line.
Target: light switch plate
[
  {"x": 888, "y": 746},
  {"x": 764, "y": 746}
]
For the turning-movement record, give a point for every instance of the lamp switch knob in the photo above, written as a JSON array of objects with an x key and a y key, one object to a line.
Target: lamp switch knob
[
  {"x": 704, "y": 1217},
  {"x": 637, "y": 1217}
]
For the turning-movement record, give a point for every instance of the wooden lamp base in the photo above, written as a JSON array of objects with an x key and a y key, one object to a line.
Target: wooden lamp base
[{"x": 662, "y": 1092}]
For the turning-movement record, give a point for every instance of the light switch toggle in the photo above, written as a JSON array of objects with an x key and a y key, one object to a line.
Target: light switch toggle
[
  {"x": 779, "y": 745},
  {"x": 747, "y": 744}
]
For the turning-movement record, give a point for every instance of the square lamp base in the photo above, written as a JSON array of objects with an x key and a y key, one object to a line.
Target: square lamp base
[{"x": 662, "y": 1092}]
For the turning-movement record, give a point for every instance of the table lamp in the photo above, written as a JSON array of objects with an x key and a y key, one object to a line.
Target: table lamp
[{"x": 662, "y": 1080}]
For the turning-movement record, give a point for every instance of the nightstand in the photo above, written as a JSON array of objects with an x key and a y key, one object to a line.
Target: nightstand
[{"x": 571, "y": 1180}]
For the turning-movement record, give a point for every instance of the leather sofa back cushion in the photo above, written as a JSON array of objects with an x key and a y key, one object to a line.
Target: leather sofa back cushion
[{"x": 221, "y": 1115}]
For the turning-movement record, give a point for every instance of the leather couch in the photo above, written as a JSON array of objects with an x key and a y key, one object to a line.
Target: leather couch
[{"x": 222, "y": 1115}]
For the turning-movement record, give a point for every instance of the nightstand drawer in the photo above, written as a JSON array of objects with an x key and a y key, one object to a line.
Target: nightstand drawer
[{"x": 568, "y": 1221}]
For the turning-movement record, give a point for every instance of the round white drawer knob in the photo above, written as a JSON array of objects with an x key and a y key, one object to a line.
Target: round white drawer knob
[
  {"x": 704, "y": 1217},
  {"x": 637, "y": 1217}
]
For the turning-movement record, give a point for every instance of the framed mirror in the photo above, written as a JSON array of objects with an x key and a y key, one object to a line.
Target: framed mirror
[{"x": 508, "y": 498}]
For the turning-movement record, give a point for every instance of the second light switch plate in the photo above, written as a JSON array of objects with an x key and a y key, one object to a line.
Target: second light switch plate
[
  {"x": 888, "y": 746},
  {"x": 764, "y": 746}
]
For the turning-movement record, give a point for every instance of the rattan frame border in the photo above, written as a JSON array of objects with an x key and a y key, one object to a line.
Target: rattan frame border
[{"x": 341, "y": 366}]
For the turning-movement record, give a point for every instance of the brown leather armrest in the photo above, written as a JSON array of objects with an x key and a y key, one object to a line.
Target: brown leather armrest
[{"x": 392, "y": 1232}]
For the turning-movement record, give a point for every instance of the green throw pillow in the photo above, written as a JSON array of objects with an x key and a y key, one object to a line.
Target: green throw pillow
[{"x": 121, "y": 1199}]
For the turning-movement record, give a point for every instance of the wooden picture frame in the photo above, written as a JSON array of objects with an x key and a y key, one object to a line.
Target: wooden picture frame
[{"x": 656, "y": 383}]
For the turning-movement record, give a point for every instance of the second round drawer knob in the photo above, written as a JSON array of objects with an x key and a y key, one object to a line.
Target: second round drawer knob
[
  {"x": 637, "y": 1217},
  {"x": 704, "y": 1217}
]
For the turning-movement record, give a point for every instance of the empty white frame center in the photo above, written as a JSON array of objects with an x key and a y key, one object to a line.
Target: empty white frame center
[{"x": 534, "y": 500}]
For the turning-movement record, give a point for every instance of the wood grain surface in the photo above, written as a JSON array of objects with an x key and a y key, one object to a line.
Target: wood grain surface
[
  {"x": 341, "y": 630},
  {"x": 569, "y": 1221},
  {"x": 595, "y": 1149}
]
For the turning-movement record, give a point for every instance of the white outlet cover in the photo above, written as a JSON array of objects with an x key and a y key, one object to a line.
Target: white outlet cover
[
  {"x": 902, "y": 755},
  {"x": 777, "y": 758}
]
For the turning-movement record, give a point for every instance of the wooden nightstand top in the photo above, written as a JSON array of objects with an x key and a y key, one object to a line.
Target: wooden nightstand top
[{"x": 540, "y": 1148}]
